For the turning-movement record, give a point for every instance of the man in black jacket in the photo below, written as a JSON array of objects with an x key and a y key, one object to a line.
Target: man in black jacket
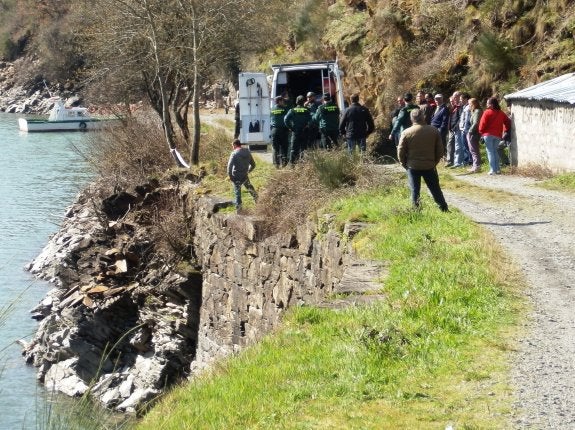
[{"x": 356, "y": 124}]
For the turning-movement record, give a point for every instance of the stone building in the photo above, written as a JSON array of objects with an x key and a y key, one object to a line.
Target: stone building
[{"x": 544, "y": 124}]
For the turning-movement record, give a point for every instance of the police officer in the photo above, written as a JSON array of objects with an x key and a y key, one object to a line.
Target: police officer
[
  {"x": 279, "y": 132},
  {"x": 298, "y": 120},
  {"x": 313, "y": 131},
  {"x": 327, "y": 118}
]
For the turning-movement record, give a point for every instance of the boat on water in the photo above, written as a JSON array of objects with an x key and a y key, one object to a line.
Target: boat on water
[{"x": 64, "y": 118}]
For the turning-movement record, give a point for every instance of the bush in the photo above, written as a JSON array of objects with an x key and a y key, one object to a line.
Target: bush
[
  {"x": 293, "y": 195},
  {"x": 129, "y": 155}
]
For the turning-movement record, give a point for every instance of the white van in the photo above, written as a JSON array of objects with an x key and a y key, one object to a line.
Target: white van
[{"x": 289, "y": 81}]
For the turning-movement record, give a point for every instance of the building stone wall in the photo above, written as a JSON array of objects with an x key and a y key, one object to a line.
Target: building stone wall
[
  {"x": 249, "y": 280},
  {"x": 544, "y": 133}
]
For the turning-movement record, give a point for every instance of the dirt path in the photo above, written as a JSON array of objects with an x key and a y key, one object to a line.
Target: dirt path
[{"x": 537, "y": 228}]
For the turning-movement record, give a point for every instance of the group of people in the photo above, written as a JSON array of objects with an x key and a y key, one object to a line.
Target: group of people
[
  {"x": 429, "y": 131},
  {"x": 425, "y": 129},
  {"x": 462, "y": 124},
  {"x": 309, "y": 125},
  {"x": 297, "y": 129}
]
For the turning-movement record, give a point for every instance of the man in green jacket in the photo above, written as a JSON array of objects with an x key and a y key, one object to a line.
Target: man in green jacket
[
  {"x": 298, "y": 120},
  {"x": 279, "y": 133},
  {"x": 403, "y": 119},
  {"x": 327, "y": 117}
]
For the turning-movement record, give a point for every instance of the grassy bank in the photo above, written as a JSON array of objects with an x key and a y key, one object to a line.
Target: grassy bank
[{"x": 432, "y": 354}]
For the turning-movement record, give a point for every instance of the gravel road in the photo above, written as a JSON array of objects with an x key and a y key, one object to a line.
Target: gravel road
[{"x": 537, "y": 228}]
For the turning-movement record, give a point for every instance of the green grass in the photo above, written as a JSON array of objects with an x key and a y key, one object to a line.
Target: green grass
[
  {"x": 562, "y": 182},
  {"x": 433, "y": 353}
]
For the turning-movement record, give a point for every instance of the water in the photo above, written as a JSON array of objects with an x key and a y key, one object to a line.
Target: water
[{"x": 40, "y": 174}]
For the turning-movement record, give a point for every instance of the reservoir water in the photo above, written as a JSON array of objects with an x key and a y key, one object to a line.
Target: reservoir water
[{"x": 40, "y": 174}]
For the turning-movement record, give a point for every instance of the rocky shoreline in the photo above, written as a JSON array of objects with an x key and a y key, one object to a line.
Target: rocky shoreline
[
  {"x": 120, "y": 323},
  {"x": 30, "y": 98},
  {"x": 124, "y": 322}
]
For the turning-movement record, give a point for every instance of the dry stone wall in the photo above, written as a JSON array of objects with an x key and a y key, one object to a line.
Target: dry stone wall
[
  {"x": 125, "y": 325},
  {"x": 249, "y": 281}
]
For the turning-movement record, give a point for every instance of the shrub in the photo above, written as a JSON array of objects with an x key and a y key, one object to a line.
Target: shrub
[
  {"x": 293, "y": 195},
  {"x": 496, "y": 54},
  {"x": 128, "y": 155}
]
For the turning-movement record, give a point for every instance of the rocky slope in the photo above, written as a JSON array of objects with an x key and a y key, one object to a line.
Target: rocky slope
[
  {"x": 31, "y": 97},
  {"x": 120, "y": 322},
  {"x": 126, "y": 320}
]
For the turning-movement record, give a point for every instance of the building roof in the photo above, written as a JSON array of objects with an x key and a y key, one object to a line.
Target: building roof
[{"x": 560, "y": 89}]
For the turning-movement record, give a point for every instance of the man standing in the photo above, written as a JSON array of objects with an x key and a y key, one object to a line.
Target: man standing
[
  {"x": 462, "y": 155},
  {"x": 403, "y": 119},
  {"x": 419, "y": 151},
  {"x": 297, "y": 120},
  {"x": 279, "y": 132},
  {"x": 356, "y": 124},
  {"x": 313, "y": 131},
  {"x": 440, "y": 118},
  {"x": 394, "y": 115},
  {"x": 240, "y": 164},
  {"x": 327, "y": 117},
  {"x": 454, "y": 133},
  {"x": 425, "y": 107}
]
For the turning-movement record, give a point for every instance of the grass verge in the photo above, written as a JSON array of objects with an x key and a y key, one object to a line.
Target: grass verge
[
  {"x": 434, "y": 353},
  {"x": 562, "y": 182}
]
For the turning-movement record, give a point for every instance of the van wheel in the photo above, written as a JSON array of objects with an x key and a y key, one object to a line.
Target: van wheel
[{"x": 83, "y": 125}]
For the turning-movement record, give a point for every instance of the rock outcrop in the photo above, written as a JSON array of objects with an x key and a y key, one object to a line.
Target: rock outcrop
[{"x": 124, "y": 322}]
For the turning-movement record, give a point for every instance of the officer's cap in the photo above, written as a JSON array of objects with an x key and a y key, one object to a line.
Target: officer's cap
[
  {"x": 300, "y": 100},
  {"x": 279, "y": 98},
  {"x": 311, "y": 94}
]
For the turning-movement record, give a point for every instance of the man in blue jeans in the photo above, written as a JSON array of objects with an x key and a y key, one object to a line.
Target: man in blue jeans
[
  {"x": 241, "y": 162},
  {"x": 356, "y": 124},
  {"x": 419, "y": 151}
]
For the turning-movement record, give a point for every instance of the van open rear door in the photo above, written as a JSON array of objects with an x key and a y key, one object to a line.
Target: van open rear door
[{"x": 254, "y": 103}]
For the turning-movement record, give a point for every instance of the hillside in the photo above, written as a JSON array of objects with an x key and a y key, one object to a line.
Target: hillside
[{"x": 388, "y": 47}]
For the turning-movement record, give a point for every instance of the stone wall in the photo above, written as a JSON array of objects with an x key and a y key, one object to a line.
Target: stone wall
[
  {"x": 126, "y": 325},
  {"x": 249, "y": 281},
  {"x": 543, "y": 134}
]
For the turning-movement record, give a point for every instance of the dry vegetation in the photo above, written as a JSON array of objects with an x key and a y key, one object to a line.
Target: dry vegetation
[{"x": 293, "y": 195}]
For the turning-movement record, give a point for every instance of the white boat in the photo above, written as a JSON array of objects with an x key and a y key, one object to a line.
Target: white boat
[{"x": 64, "y": 118}]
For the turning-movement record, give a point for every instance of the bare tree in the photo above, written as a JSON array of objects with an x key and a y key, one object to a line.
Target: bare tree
[{"x": 169, "y": 48}]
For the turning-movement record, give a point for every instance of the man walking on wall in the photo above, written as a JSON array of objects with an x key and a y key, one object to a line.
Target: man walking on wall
[{"x": 240, "y": 163}]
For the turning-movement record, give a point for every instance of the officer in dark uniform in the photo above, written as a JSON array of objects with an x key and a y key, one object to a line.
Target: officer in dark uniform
[
  {"x": 313, "y": 130},
  {"x": 279, "y": 132},
  {"x": 298, "y": 120},
  {"x": 327, "y": 118}
]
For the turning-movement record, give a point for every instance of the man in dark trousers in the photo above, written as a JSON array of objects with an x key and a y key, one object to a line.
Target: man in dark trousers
[
  {"x": 297, "y": 120},
  {"x": 240, "y": 163},
  {"x": 313, "y": 130},
  {"x": 440, "y": 118},
  {"x": 327, "y": 117},
  {"x": 356, "y": 124},
  {"x": 279, "y": 132},
  {"x": 419, "y": 151}
]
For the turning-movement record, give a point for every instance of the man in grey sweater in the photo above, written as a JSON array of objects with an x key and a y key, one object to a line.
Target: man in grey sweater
[{"x": 241, "y": 162}]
